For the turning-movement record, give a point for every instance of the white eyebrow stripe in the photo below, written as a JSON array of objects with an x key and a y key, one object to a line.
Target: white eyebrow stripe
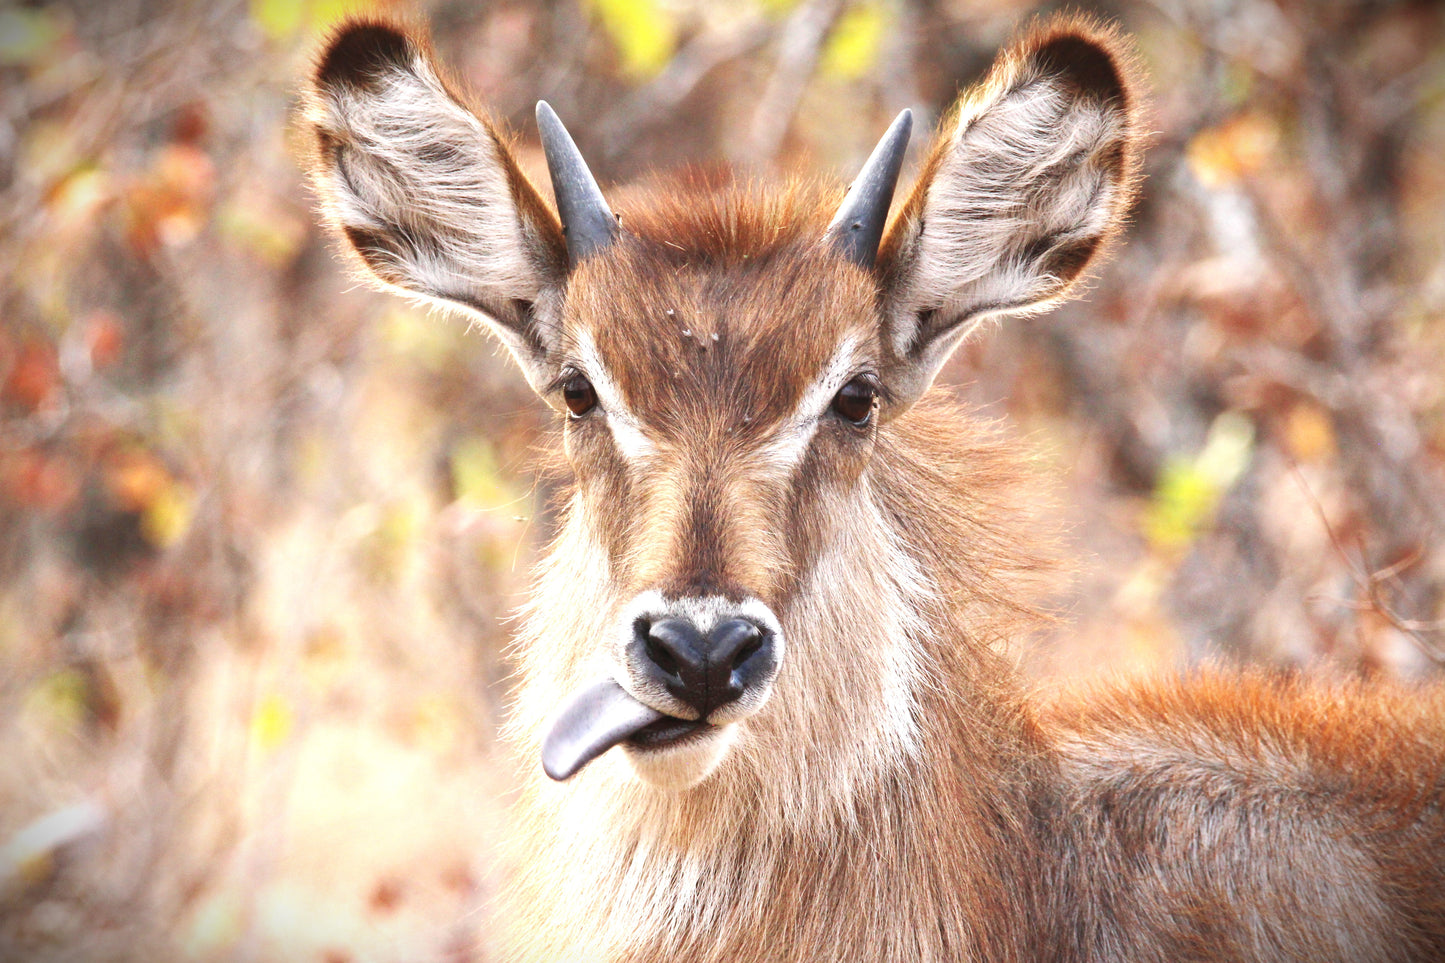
[
  {"x": 786, "y": 448},
  {"x": 627, "y": 432}
]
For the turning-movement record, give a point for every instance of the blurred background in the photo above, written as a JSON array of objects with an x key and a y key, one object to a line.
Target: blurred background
[{"x": 261, "y": 530}]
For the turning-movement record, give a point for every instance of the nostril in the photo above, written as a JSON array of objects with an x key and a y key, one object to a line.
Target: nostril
[
  {"x": 656, "y": 650},
  {"x": 749, "y": 649},
  {"x": 660, "y": 657},
  {"x": 736, "y": 641}
]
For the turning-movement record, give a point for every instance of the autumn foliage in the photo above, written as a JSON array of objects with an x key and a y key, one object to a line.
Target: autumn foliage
[{"x": 261, "y": 530}]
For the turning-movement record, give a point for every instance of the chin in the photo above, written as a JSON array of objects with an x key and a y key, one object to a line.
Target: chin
[{"x": 683, "y": 764}]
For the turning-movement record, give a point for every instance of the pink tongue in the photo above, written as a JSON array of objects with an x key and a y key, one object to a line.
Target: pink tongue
[{"x": 596, "y": 718}]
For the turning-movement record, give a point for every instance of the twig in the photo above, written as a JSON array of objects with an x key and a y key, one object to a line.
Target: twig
[
  {"x": 654, "y": 103},
  {"x": 798, "y": 49},
  {"x": 1372, "y": 583}
]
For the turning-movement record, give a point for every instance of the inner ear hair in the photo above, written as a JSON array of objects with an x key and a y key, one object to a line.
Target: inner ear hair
[{"x": 424, "y": 191}]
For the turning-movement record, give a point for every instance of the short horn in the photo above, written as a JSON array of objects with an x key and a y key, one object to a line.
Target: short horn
[
  {"x": 587, "y": 222},
  {"x": 858, "y": 226}
]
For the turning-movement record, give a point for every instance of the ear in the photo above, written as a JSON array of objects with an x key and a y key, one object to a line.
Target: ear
[
  {"x": 1027, "y": 178},
  {"x": 426, "y": 194}
]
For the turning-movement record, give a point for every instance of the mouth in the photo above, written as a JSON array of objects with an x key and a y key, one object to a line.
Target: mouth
[
  {"x": 603, "y": 715},
  {"x": 668, "y": 732}
]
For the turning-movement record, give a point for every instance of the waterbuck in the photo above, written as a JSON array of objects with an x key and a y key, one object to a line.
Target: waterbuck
[{"x": 763, "y": 662}]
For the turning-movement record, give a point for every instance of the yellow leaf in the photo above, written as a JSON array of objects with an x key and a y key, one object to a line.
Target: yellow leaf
[
  {"x": 167, "y": 515},
  {"x": 857, "y": 38},
  {"x": 387, "y": 549},
  {"x": 267, "y": 233},
  {"x": 1183, "y": 500},
  {"x": 78, "y": 198},
  {"x": 776, "y": 8},
  {"x": 59, "y": 700},
  {"x": 271, "y": 722},
  {"x": 1189, "y": 490},
  {"x": 26, "y": 35},
  {"x": 475, "y": 477},
  {"x": 418, "y": 338},
  {"x": 400, "y": 523},
  {"x": 284, "y": 20},
  {"x": 644, "y": 34},
  {"x": 279, "y": 19},
  {"x": 327, "y": 13}
]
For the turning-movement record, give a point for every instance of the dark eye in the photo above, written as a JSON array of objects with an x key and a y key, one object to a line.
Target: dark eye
[
  {"x": 855, "y": 401},
  {"x": 580, "y": 397}
]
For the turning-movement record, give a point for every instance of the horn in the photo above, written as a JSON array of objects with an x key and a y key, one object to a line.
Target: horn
[
  {"x": 587, "y": 222},
  {"x": 858, "y": 226}
]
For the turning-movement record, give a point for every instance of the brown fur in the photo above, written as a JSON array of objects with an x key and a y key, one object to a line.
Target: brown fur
[{"x": 900, "y": 796}]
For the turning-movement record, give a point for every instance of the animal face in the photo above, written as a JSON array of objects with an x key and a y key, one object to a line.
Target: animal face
[
  {"x": 721, "y": 405},
  {"x": 734, "y": 366}
]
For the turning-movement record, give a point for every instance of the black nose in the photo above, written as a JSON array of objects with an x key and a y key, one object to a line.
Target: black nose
[{"x": 704, "y": 671}]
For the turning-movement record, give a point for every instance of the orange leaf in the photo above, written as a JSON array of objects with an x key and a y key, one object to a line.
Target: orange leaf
[
  {"x": 37, "y": 479},
  {"x": 1234, "y": 149},
  {"x": 135, "y": 480},
  {"x": 34, "y": 378},
  {"x": 104, "y": 338}
]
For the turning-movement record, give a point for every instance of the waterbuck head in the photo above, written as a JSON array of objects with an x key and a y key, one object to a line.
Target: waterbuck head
[{"x": 736, "y": 369}]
